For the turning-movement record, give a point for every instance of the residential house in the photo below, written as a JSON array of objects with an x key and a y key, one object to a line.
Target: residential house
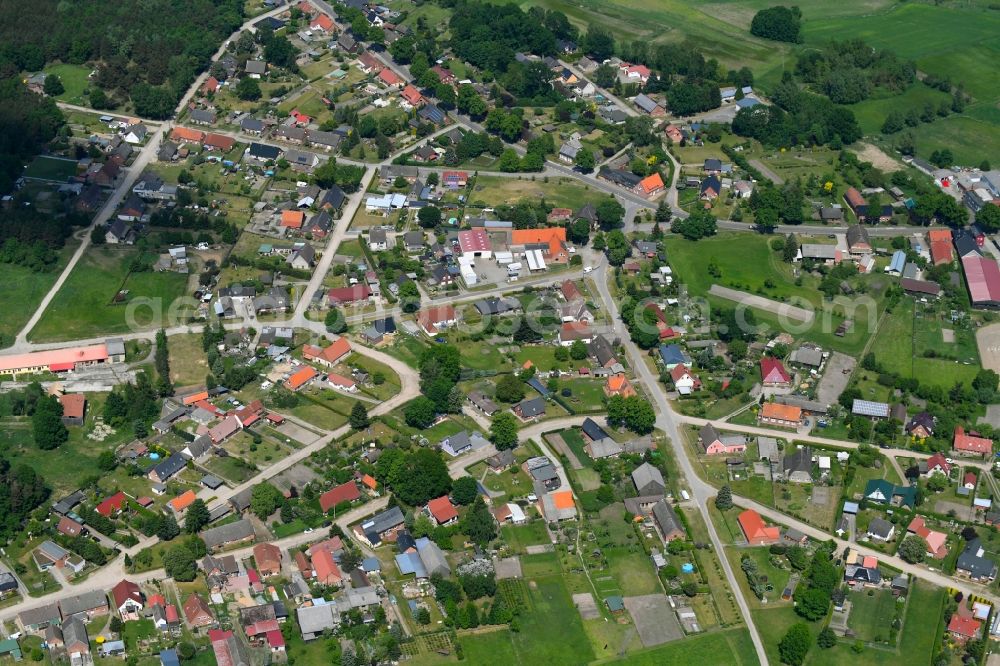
[
  {"x": 881, "y": 491},
  {"x": 432, "y": 319},
  {"x": 228, "y": 534},
  {"x": 197, "y": 613},
  {"x": 973, "y": 563},
  {"x": 684, "y": 381},
  {"x": 881, "y": 530},
  {"x": 86, "y": 605},
  {"x": 530, "y": 409},
  {"x": 345, "y": 492},
  {"x": 798, "y": 466},
  {"x": 128, "y": 600},
  {"x": 715, "y": 443},
  {"x": 267, "y": 557},
  {"x": 618, "y": 384},
  {"x": 667, "y": 522},
  {"x": 648, "y": 480},
  {"x": 786, "y": 416},
  {"x": 937, "y": 542},
  {"x": 756, "y": 532},
  {"x": 442, "y": 510},
  {"x": 773, "y": 373},
  {"x": 381, "y": 527},
  {"x": 330, "y": 355},
  {"x": 971, "y": 444}
]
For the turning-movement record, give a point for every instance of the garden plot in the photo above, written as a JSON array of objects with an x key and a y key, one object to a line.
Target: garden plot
[
  {"x": 654, "y": 619},
  {"x": 585, "y": 603}
]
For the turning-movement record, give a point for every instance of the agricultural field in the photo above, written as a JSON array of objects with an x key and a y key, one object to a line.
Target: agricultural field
[{"x": 84, "y": 308}]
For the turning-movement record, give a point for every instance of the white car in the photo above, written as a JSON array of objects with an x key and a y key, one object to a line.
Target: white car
[{"x": 588, "y": 269}]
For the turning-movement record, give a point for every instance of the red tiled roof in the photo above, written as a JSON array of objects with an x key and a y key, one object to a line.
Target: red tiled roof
[
  {"x": 971, "y": 443},
  {"x": 323, "y": 22},
  {"x": 111, "y": 504},
  {"x": 966, "y": 627},
  {"x": 442, "y": 510},
  {"x": 185, "y": 134},
  {"x": 429, "y": 318},
  {"x": 651, "y": 183},
  {"x": 411, "y": 95},
  {"x": 358, "y": 292},
  {"x": 754, "y": 528},
  {"x": 345, "y": 492},
  {"x": 73, "y": 405},
  {"x": 327, "y": 571},
  {"x": 219, "y": 141},
  {"x": 293, "y": 219},
  {"x": 69, "y": 527},
  {"x": 570, "y": 291},
  {"x": 772, "y": 371},
  {"x": 124, "y": 591},
  {"x": 390, "y": 78}
]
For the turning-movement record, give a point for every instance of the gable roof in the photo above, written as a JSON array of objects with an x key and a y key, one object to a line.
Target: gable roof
[
  {"x": 345, "y": 492},
  {"x": 773, "y": 371},
  {"x": 441, "y": 509}
]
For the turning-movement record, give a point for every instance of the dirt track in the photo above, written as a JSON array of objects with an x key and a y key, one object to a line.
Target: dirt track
[{"x": 761, "y": 303}]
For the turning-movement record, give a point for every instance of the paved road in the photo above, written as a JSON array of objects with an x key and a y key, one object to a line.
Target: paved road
[{"x": 667, "y": 421}]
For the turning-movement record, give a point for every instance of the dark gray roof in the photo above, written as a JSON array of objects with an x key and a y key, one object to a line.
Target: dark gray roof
[
  {"x": 532, "y": 407},
  {"x": 384, "y": 521},
  {"x": 666, "y": 518},
  {"x": 799, "y": 461},
  {"x": 170, "y": 466},
  {"x": 647, "y": 479},
  {"x": 40, "y": 615},
  {"x": 81, "y": 603},
  {"x": 228, "y": 533},
  {"x": 973, "y": 561},
  {"x": 592, "y": 430},
  {"x": 880, "y": 528}
]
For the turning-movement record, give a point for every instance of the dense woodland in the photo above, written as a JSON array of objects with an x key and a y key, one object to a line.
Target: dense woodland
[
  {"x": 850, "y": 71},
  {"x": 146, "y": 50},
  {"x": 27, "y": 122}
]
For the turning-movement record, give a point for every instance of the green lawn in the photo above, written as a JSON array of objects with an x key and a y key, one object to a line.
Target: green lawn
[
  {"x": 74, "y": 80},
  {"x": 560, "y": 192},
  {"x": 188, "y": 364},
  {"x": 541, "y": 640},
  {"x": 729, "y": 647},
  {"x": 521, "y": 536},
  {"x": 25, "y": 291},
  {"x": 83, "y": 307},
  {"x": 871, "y": 615},
  {"x": 903, "y": 340}
]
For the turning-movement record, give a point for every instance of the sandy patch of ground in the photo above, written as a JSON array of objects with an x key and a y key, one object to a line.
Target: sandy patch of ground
[
  {"x": 586, "y": 605},
  {"x": 988, "y": 340},
  {"x": 878, "y": 158}
]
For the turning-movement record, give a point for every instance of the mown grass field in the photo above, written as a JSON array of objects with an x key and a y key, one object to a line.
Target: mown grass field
[
  {"x": 25, "y": 290},
  {"x": 83, "y": 307},
  {"x": 74, "y": 80},
  {"x": 560, "y": 192},
  {"x": 903, "y": 339},
  {"x": 747, "y": 263}
]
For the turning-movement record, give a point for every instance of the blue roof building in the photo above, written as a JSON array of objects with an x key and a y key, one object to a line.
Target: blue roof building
[{"x": 897, "y": 263}]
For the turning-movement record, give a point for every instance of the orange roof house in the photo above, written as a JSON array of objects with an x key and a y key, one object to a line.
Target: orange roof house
[
  {"x": 563, "y": 499},
  {"x": 293, "y": 219},
  {"x": 219, "y": 142},
  {"x": 327, "y": 356},
  {"x": 210, "y": 85},
  {"x": 937, "y": 542},
  {"x": 322, "y": 22},
  {"x": 552, "y": 237},
  {"x": 651, "y": 184},
  {"x": 755, "y": 531},
  {"x": 300, "y": 378},
  {"x": 185, "y": 134},
  {"x": 971, "y": 444},
  {"x": 369, "y": 481},
  {"x": 435, "y": 317},
  {"x": 411, "y": 95},
  {"x": 195, "y": 397},
  {"x": 327, "y": 571},
  {"x": 963, "y": 628},
  {"x": 618, "y": 384},
  {"x": 782, "y": 415},
  {"x": 182, "y": 501},
  {"x": 442, "y": 511},
  {"x": 390, "y": 78}
]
